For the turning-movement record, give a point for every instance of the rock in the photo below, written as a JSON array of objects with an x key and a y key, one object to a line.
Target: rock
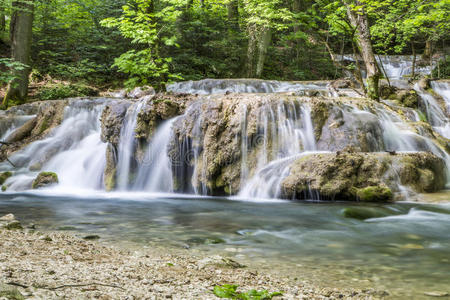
[
  {"x": 436, "y": 294},
  {"x": 4, "y": 176},
  {"x": 45, "y": 179},
  {"x": 140, "y": 92},
  {"x": 91, "y": 237},
  {"x": 377, "y": 193},
  {"x": 219, "y": 261},
  {"x": 424, "y": 83},
  {"x": 365, "y": 177},
  {"x": 9, "y": 222},
  {"x": 10, "y": 292},
  {"x": 50, "y": 114},
  {"x": 112, "y": 119},
  {"x": 364, "y": 213}
]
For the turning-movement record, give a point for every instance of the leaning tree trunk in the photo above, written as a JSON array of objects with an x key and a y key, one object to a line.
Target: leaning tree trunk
[
  {"x": 21, "y": 33},
  {"x": 252, "y": 52},
  {"x": 359, "y": 20}
]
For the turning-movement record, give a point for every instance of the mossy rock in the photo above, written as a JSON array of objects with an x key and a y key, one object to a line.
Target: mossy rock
[
  {"x": 375, "y": 194},
  {"x": 4, "y": 176},
  {"x": 364, "y": 213},
  {"x": 45, "y": 179}
]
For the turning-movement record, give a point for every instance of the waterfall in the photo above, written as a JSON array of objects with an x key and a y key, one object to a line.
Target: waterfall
[
  {"x": 292, "y": 137},
  {"x": 222, "y": 86},
  {"x": 155, "y": 171},
  {"x": 73, "y": 150},
  {"x": 435, "y": 114},
  {"x": 442, "y": 88},
  {"x": 127, "y": 145}
]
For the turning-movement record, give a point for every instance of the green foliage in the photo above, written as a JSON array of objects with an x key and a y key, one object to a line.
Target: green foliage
[
  {"x": 8, "y": 65},
  {"x": 229, "y": 291},
  {"x": 443, "y": 70},
  {"x": 61, "y": 91}
]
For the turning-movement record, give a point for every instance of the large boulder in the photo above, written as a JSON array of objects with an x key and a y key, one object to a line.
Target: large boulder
[{"x": 371, "y": 177}]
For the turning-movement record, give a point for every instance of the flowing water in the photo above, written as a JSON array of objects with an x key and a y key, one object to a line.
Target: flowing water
[{"x": 402, "y": 249}]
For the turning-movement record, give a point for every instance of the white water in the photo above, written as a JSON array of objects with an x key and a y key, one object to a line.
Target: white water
[
  {"x": 127, "y": 146},
  {"x": 436, "y": 116},
  {"x": 155, "y": 170},
  {"x": 292, "y": 137},
  {"x": 73, "y": 150},
  {"x": 442, "y": 88}
]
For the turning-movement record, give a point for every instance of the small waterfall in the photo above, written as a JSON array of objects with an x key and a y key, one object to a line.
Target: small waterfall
[
  {"x": 127, "y": 145},
  {"x": 222, "y": 86},
  {"x": 442, "y": 88},
  {"x": 435, "y": 114},
  {"x": 292, "y": 137},
  {"x": 155, "y": 170},
  {"x": 73, "y": 150}
]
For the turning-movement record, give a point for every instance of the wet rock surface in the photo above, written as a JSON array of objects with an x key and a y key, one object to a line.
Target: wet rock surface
[{"x": 367, "y": 177}]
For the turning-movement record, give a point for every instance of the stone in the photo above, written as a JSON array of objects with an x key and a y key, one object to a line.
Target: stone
[
  {"x": 45, "y": 179},
  {"x": 9, "y": 222},
  {"x": 366, "y": 177},
  {"x": 4, "y": 176},
  {"x": 140, "y": 92},
  {"x": 10, "y": 292}
]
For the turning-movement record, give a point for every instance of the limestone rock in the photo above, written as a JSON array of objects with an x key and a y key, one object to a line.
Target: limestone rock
[
  {"x": 140, "y": 92},
  {"x": 372, "y": 177}
]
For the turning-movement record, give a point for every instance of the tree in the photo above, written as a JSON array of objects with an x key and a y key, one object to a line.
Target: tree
[
  {"x": 21, "y": 35},
  {"x": 358, "y": 18}
]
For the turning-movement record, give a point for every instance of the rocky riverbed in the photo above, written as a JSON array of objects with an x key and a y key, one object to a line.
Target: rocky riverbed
[{"x": 38, "y": 265}]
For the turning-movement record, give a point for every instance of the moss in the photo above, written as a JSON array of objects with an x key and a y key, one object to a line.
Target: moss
[
  {"x": 364, "y": 213},
  {"x": 319, "y": 115},
  {"x": 10, "y": 293},
  {"x": 4, "y": 188},
  {"x": 44, "y": 125},
  {"x": 375, "y": 194},
  {"x": 4, "y": 176},
  {"x": 44, "y": 179}
]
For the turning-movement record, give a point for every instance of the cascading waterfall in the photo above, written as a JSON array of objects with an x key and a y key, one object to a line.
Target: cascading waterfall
[
  {"x": 127, "y": 145},
  {"x": 435, "y": 114},
  {"x": 73, "y": 150},
  {"x": 292, "y": 136},
  {"x": 155, "y": 171},
  {"x": 442, "y": 88}
]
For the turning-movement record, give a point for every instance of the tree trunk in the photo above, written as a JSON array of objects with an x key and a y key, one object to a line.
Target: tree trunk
[
  {"x": 21, "y": 33},
  {"x": 359, "y": 20},
  {"x": 428, "y": 52},
  {"x": 252, "y": 52},
  {"x": 413, "y": 73},
  {"x": 264, "y": 43},
  {"x": 233, "y": 14}
]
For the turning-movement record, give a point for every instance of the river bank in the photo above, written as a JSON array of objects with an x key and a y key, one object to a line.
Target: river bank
[{"x": 54, "y": 265}]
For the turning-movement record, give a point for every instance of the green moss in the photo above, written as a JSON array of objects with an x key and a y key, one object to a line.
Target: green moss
[
  {"x": 4, "y": 188},
  {"x": 14, "y": 225},
  {"x": 4, "y": 176},
  {"x": 375, "y": 194},
  {"x": 364, "y": 213},
  {"x": 45, "y": 178}
]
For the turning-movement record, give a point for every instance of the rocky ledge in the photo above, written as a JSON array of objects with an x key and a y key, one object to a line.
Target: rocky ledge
[{"x": 369, "y": 177}]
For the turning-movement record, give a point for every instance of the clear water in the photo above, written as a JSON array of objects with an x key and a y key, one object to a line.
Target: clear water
[{"x": 405, "y": 253}]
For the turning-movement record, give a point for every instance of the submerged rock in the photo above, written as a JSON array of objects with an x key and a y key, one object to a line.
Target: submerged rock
[
  {"x": 45, "y": 179},
  {"x": 9, "y": 222},
  {"x": 4, "y": 176},
  {"x": 369, "y": 177}
]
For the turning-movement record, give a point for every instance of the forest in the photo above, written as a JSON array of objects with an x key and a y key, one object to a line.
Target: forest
[{"x": 63, "y": 47}]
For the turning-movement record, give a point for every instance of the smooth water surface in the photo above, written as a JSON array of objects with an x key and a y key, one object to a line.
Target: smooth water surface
[{"x": 405, "y": 252}]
